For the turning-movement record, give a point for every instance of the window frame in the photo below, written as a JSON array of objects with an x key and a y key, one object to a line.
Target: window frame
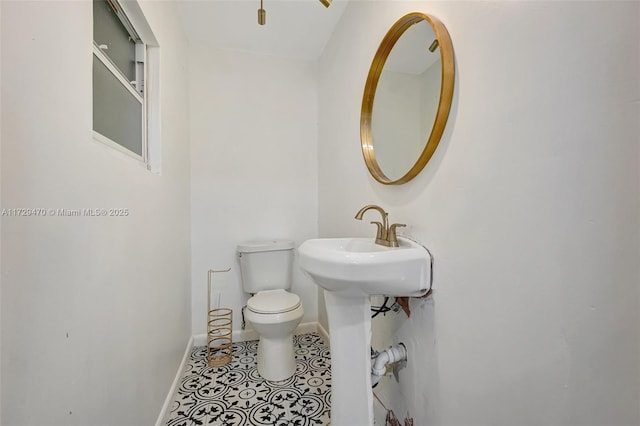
[{"x": 140, "y": 85}]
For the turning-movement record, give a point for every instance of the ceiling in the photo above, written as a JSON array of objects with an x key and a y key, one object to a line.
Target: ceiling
[{"x": 294, "y": 28}]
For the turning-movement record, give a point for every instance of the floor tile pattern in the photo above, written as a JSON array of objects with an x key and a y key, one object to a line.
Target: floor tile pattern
[{"x": 236, "y": 395}]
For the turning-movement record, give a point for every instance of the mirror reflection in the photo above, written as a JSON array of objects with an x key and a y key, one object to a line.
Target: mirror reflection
[{"x": 406, "y": 100}]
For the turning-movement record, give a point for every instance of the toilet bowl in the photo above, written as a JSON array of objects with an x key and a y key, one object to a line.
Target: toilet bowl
[
  {"x": 273, "y": 311},
  {"x": 275, "y": 314}
]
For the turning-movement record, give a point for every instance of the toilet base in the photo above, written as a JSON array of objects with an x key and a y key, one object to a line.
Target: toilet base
[{"x": 276, "y": 360}]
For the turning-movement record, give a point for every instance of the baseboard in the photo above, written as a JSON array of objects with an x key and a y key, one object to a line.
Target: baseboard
[
  {"x": 174, "y": 386},
  {"x": 250, "y": 334},
  {"x": 306, "y": 327}
]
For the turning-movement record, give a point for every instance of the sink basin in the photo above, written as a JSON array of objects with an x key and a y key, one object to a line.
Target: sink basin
[{"x": 359, "y": 267}]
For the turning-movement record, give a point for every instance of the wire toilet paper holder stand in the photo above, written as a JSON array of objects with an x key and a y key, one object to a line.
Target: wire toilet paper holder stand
[{"x": 219, "y": 327}]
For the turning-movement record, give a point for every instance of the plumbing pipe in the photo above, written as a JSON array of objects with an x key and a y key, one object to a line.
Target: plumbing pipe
[{"x": 388, "y": 356}]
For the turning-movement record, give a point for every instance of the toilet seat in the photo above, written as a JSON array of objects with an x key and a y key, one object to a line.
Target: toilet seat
[{"x": 273, "y": 302}]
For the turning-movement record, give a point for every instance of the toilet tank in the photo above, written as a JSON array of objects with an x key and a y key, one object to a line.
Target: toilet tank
[{"x": 265, "y": 265}]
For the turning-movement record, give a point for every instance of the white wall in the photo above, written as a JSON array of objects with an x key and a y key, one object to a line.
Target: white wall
[
  {"x": 530, "y": 206},
  {"x": 253, "y": 166},
  {"x": 95, "y": 311}
]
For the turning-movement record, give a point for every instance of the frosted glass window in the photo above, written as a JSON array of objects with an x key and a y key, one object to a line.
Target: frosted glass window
[
  {"x": 117, "y": 113},
  {"x": 110, "y": 32},
  {"x": 119, "y": 55}
]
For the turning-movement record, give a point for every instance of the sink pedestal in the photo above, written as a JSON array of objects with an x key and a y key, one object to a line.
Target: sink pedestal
[
  {"x": 350, "y": 270},
  {"x": 350, "y": 334}
]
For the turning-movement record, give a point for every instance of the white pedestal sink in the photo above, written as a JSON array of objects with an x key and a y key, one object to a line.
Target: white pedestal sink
[{"x": 350, "y": 270}]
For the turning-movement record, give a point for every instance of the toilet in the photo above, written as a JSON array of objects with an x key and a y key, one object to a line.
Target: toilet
[{"x": 273, "y": 311}]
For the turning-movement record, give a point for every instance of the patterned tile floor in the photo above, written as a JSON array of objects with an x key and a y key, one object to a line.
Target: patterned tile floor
[{"x": 236, "y": 395}]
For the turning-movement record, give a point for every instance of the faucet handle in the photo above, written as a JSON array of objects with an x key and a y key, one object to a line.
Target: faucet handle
[
  {"x": 381, "y": 231},
  {"x": 391, "y": 236}
]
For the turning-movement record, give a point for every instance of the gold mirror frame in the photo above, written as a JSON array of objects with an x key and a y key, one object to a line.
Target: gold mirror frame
[{"x": 444, "y": 104}]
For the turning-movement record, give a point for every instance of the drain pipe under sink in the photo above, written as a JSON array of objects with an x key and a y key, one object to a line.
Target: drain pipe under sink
[{"x": 388, "y": 356}]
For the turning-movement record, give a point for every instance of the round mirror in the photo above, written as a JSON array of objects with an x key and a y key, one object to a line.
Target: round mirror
[{"x": 411, "y": 81}]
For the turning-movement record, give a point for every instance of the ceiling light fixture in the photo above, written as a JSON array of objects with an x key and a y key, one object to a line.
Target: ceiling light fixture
[
  {"x": 262, "y": 14},
  {"x": 433, "y": 46}
]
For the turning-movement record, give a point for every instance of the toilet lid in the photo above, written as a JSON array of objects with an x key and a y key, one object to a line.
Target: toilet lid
[{"x": 273, "y": 302}]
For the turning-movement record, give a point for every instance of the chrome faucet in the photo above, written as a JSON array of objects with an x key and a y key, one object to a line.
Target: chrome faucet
[{"x": 386, "y": 235}]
